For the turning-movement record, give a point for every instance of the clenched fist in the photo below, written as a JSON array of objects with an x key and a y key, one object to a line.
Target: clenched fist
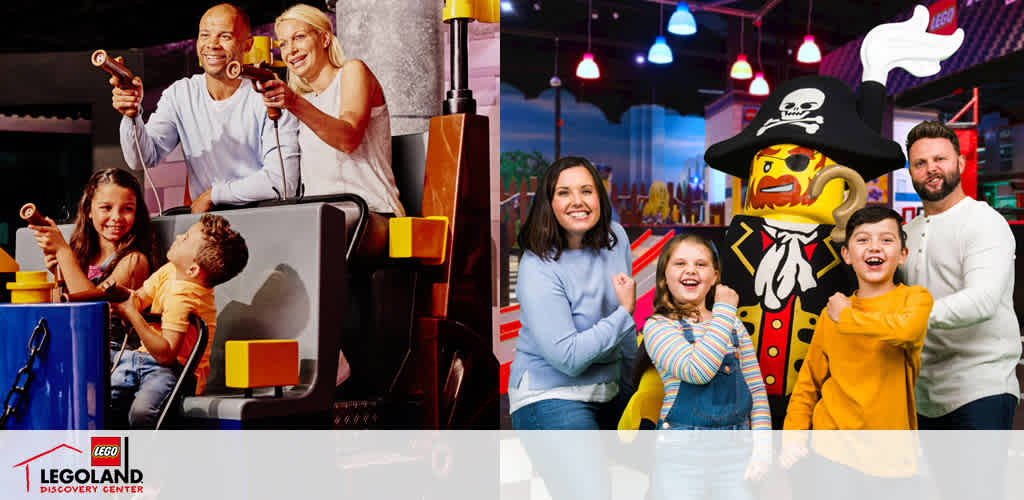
[
  {"x": 726, "y": 295},
  {"x": 625, "y": 291},
  {"x": 836, "y": 303},
  {"x": 49, "y": 237}
]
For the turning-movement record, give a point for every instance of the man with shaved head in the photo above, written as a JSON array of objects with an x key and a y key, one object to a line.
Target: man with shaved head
[{"x": 228, "y": 142}]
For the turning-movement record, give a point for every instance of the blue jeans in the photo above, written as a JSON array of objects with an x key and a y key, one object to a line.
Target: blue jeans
[
  {"x": 988, "y": 413},
  {"x": 139, "y": 386},
  {"x": 980, "y": 474},
  {"x": 572, "y": 464},
  {"x": 563, "y": 414}
]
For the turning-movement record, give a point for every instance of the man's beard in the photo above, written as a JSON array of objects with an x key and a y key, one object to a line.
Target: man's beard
[{"x": 948, "y": 185}]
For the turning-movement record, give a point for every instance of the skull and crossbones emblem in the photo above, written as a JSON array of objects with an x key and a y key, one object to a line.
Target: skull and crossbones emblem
[{"x": 794, "y": 110}]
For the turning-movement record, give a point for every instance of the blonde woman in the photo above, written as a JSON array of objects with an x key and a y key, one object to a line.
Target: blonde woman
[{"x": 345, "y": 131}]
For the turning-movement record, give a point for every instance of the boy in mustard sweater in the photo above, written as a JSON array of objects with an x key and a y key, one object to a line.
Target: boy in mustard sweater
[{"x": 866, "y": 351}]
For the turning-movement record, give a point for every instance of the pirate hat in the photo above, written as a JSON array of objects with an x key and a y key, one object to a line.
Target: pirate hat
[{"x": 818, "y": 112}]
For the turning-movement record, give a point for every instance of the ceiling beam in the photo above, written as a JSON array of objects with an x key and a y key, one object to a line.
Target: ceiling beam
[{"x": 717, "y": 8}]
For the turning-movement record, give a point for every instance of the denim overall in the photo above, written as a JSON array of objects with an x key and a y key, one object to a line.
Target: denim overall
[
  {"x": 700, "y": 465},
  {"x": 722, "y": 403}
]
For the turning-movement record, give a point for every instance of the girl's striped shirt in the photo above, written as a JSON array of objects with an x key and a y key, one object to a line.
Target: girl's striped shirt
[{"x": 697, "y": 363}]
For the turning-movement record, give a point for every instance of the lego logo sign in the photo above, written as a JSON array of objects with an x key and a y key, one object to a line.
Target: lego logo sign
[
  {"x": 943, "y": 17},
  {"x": 749, "y": 112},
  {"x": 106, "y": 451}
]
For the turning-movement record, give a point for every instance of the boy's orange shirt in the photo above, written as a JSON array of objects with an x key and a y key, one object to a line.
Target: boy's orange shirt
[
  {"x": 173, "y": 300},
  {"x": 859, "y": 373}
]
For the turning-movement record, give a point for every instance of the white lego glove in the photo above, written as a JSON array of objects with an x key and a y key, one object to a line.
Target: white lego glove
[{"x": 906, "y": 45}]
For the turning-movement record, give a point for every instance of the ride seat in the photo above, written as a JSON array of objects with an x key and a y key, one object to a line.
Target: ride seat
[{"x": 172, "y": 407}]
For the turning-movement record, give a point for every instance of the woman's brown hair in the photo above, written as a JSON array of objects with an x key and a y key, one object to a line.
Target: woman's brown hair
[{"x": 543, "y": 235}]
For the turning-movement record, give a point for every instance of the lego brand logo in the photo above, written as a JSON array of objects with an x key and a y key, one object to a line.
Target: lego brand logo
[
  {"x": 943, "y": 15},
  {"x": 942, "y": 18},
  {"x": 106, "y": 451}
]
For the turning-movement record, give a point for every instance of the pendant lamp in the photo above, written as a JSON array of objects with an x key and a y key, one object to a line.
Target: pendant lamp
[
  {"x": 809, "y": 53},
  {"x": 682, "y": 22},
  {"x": 759, "y": 86},
  {"x": 659, "y": 53},
  {"x": 741, "y": 69},
  {"x": 587, "y": 68}
]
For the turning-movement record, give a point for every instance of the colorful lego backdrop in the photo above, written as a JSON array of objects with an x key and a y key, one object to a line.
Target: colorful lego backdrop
[{"x": 649, "y": 144}]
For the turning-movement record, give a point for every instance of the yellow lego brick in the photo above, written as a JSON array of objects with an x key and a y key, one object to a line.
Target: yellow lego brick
[
  {"x": 423, "y": 238},
  {"x": 485, "y": 11},
  {"x": 31, "y": 287},
  {"x": 261, "y": 363}
]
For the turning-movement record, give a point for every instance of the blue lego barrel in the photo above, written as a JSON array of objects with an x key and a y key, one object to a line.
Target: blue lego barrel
[{"x": 70, "y": 387}]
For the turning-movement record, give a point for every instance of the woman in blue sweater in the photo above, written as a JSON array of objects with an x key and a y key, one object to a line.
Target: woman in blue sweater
[{"x": 576, "y": 295}]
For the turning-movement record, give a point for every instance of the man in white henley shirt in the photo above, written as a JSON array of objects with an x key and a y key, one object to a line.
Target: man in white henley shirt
[
  {"x": 963, "y": 252},
  {"x": 221, "y": 123}
]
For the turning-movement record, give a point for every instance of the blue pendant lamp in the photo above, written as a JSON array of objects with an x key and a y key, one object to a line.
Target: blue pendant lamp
[
  {"x": 682, "y": 21},
  {"x": 659, "y": 52}
]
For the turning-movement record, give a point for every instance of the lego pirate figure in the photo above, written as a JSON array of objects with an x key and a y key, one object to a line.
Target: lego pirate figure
[{"x": 778, "y": 254}]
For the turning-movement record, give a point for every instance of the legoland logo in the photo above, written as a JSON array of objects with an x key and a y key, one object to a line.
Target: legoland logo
[{"x": 105, "y": 452}]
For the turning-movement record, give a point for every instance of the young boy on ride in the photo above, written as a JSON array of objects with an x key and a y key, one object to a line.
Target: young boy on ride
[{"x": 208, "y": 254}]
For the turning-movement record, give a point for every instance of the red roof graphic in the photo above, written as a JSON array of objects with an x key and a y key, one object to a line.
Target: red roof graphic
[
  {"x": 64, "y": 445},
  {"x": 55, "y": 448}
]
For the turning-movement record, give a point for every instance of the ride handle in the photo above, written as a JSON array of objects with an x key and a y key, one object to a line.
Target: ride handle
[
  {"x": 31, "y": 214},
  {"x": 236, "y": 69},
  {"x": 124, "y": 76}
]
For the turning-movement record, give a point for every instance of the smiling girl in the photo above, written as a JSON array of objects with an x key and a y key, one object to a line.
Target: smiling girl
[
  {"x": 112, "y": 241},
  {"x": 712, "y": 380},
  {"x": 699, "y": 351}
]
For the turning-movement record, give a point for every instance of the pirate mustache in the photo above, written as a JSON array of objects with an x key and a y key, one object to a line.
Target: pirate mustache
[{"x": 784, "y": 190}]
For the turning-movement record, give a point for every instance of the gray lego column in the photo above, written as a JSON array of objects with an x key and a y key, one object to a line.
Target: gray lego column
[{"x": 400, "y": 41}]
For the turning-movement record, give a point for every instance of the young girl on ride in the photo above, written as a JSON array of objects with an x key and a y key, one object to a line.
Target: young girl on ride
[
  {"x": 711, "y": 378},
  {"x": 112, "y": 242}
]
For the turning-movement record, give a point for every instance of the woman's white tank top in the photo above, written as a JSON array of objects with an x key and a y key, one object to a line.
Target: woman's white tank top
[{"x": 366, "y": 171}]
